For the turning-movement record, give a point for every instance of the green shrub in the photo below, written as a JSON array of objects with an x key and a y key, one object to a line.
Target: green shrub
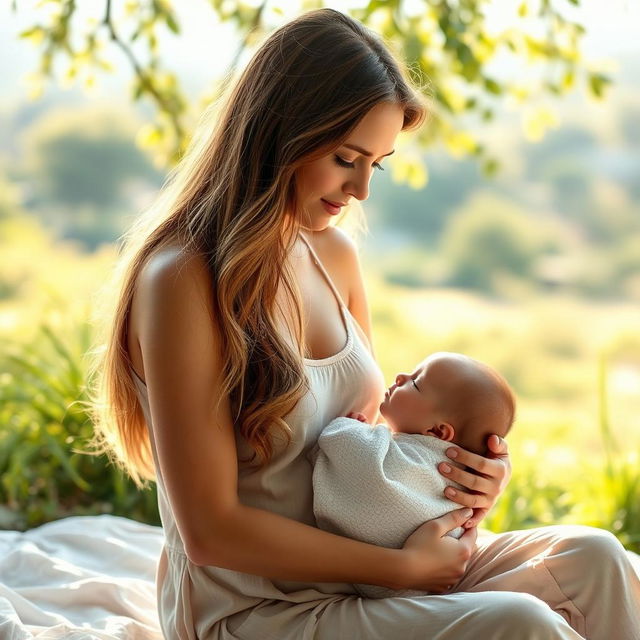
[{"x": 45, "y": 471}]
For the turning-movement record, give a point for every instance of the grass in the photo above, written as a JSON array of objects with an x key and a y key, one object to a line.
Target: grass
[{"x": 44, "y": 470}]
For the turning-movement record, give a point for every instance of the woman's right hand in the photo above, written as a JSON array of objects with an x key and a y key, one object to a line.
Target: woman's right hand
[{"x": 435, "y": 561}]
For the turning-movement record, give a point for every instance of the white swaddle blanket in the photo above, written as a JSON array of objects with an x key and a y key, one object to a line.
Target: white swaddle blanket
[{"x": 377, "y": 486}]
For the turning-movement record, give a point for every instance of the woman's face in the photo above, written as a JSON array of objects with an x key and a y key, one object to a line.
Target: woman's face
[{"x": 327, "y": 184}]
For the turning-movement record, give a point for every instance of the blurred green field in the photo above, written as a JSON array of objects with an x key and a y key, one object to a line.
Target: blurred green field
[{"x": 574, "y": 365}]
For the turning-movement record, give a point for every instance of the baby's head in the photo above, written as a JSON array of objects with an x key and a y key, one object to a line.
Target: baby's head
[{"x": 452, "y": 397}]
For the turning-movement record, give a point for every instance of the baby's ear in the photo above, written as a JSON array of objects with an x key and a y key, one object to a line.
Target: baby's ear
[{"x": 442, "y": 431}]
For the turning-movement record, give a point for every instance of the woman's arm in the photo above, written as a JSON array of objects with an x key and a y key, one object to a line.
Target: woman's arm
[
  {"x": 486, "y": 484},
  {"x": 266, "y": 544},
  {"x": 195, "y": 444}
]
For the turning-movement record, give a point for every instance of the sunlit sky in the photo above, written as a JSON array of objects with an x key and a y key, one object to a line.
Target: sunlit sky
[{"x": 198, "y": 58}]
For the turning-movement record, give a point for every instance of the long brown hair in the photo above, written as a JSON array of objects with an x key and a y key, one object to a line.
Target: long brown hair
[{"x": 302, "y": 93}]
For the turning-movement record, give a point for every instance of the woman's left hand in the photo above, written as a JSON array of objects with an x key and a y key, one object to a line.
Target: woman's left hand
[{"x": 485, "y": 485}]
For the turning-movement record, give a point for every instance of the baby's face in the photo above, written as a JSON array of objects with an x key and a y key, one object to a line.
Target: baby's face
[
  {"x": 451, "y": 397},
  {"x": 410, "y": 404}
]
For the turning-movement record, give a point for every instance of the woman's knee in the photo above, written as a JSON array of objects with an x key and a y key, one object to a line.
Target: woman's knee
[
  {"x": 593, "y": 548},
  {"x": 523, "y": 616}
]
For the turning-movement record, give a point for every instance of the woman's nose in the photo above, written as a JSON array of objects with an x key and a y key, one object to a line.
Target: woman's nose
[
  {"x": 401, "y": 378},
  {"x": 359, "y": 188}
]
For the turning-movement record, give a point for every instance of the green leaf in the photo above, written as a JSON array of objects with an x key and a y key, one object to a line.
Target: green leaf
[
  {"x": 171, "y": 22},
  {"x": 34, "y": 33},
  {"x": 490, "y": 167},
  {"x": 492, "y": 86},
  {"x": 598, "y": 83},
  {"x": 63, "y": 459}
]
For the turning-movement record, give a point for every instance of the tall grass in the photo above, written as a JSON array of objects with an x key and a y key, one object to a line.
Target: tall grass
[
  {"x": 609, "y": 495},
  {"x": 44, "y": 427},
  {"x": 603, "y": 490}
]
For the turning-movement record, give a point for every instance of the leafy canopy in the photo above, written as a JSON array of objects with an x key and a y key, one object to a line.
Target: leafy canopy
[{"x": 452, "y": 47}]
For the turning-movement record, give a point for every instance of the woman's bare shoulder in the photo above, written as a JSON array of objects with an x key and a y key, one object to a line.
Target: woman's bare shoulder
[
  {"x": 172, "y": 288},
  {"x": 338, "y": 240},
  {"x": 337, "y": 250},
  {"x": 173, "y": 265}
]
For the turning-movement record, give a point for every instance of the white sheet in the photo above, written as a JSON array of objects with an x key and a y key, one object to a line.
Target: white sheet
[
  {"x": 80, "y": 578},
  {"x": 84, "y": 578}
]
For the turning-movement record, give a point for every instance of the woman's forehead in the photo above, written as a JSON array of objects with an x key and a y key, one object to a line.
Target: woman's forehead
[{"x": 377, "y": 130}]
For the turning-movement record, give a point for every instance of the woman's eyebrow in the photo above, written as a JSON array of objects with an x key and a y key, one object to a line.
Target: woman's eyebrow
[{"x": 364, "y": 152}]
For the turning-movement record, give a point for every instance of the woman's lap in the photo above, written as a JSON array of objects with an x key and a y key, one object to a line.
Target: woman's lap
[
  {"x": 561, "y": 582},
  {"x": 583, "y": 573},
  {"x": 499, "y": 615},
  {"x": 551, "y": 582}
]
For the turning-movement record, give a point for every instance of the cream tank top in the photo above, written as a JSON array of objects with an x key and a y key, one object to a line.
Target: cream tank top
[{"x": 196, "y": 602}]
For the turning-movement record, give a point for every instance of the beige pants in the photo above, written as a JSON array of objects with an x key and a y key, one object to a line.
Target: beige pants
[{"x": 560, "y": 582}]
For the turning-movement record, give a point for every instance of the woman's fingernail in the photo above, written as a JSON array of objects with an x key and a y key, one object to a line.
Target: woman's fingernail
[
  {"x": 450, "y": 492},
  {"x": 446, "y": 468},
  {"x": 452, "y": 453},
  {"x": 468, "y": 513}
]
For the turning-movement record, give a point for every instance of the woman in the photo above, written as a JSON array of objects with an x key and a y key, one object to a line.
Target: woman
[{"x": 242, "y": 328}]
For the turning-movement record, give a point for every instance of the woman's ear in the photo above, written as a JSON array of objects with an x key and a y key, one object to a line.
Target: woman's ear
[{"x": 442, "y": 431}]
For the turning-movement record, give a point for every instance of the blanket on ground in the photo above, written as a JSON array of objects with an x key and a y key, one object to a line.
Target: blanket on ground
[{"x": 80, "y": 578}]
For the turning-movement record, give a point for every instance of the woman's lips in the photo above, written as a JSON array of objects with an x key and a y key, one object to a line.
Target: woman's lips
[{"x": 331, "y": 207}]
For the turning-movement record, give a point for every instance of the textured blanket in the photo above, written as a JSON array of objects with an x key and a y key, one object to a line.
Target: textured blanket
[
  {"x": 377, "y": 486},
  {"x": 80, "y": 578}
]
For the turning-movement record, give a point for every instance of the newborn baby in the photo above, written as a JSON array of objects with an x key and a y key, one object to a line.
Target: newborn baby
[{"x": 379, "y": 484}]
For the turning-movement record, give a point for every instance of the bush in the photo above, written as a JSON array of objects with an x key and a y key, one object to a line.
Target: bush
[
  {"x": 44, "y": 427},
  {"x": 486, "y": 240}
]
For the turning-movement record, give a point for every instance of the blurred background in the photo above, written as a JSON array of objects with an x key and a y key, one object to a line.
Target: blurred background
[{"x": 508, "y": 228}]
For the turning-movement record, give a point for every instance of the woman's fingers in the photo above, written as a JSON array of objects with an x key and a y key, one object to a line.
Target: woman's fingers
[
  {"x": 476, "y": 519},
  {"x": 486, "y": 466},
  {"x": 484, "y": 480},
  {"x": 473, "y": 500},
  {"x": 499, "y": 450},
  {"x": 469, "y": 480},
  {"x": 453, "y": 520},
  {"x": 470, "y": 536},
  {"x": 497, "y": 446}
]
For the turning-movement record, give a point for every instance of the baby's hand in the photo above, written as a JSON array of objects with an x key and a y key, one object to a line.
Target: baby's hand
[{"x": 354, "y": 415}]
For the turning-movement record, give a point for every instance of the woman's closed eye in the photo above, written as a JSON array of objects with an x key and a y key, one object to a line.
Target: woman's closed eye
[
  {"x": 414, "y": 384},
  {"x": 349, "y": 165}
]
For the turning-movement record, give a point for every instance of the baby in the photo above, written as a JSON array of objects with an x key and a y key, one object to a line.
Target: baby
[{"x": 378, "y": 484}]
